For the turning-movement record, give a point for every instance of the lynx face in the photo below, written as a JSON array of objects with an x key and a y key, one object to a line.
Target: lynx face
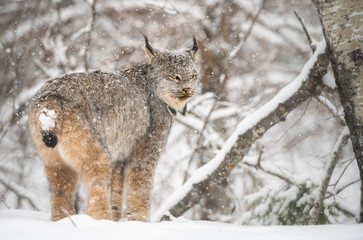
[{"x": 174, "y": 76}]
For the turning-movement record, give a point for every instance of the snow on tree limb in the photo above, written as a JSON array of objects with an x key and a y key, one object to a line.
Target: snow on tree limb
[{"x": 306, "y": 85}]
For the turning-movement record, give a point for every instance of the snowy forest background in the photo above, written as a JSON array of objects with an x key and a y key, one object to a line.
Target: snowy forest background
[{"x": 249, "y": 50}]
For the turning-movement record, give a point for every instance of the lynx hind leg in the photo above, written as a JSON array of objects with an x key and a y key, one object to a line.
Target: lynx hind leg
[
  {"x": 117, "y": 186},
  {"x": 97, "y": 177},
  {"x": 80, "y": 147},
  {"x": 63, "y": 183}
]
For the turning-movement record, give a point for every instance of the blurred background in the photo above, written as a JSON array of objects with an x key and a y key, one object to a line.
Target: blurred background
[{"x": 249, "y": 50}]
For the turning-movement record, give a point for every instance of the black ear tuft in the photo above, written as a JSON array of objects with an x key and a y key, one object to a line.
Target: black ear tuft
[
  {"x": 148, "y": 47},
  {"x": 195, "y": 45},
  {"x": 195, "y": 48}
]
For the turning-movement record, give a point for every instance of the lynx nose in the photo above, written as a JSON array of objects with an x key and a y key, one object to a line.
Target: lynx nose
[{"x": 187, "y": 90}]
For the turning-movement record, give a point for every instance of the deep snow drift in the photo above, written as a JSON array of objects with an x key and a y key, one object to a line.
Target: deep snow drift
[{"x": 20, "y": 224}]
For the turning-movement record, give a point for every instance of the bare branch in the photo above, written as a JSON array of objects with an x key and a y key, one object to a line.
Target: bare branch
[
  {"x": 19, "y": 194},
  {"x": 245, "y": 37},
  {"x": 17, "y": 113},
  {"x": 88, "y": 43},
  {"x": 341, "y": 189},
  {"x": 298, "y": 120},
  {"x": 4, "y": 200},
  {"x": 338, "y": 149},
  {"x": 69, "y": 217},
  {"x": 43, "y": 68},
  {"x": 187, "y": 125},
  {"x": 281, "y": 177},
  {"x": 329, "y": 106},
  {"x": 312, "y": 46},
  {"x": 345, "y": 211},
  {"x": 345, "y": 169}
]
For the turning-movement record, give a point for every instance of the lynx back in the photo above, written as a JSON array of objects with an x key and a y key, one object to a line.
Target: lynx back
[{"x": 108, "y": 130}]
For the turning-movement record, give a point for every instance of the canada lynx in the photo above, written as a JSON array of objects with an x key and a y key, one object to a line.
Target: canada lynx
[{"x": 108, "y": 129}]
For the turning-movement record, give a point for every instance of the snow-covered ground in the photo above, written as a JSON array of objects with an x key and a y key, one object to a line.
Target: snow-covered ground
[{"x": 21, "y": 224}]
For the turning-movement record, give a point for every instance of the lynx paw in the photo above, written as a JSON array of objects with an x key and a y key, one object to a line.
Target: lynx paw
[
  {"x": 116, "y": 213},
  {"x": 98, "y": 203},
  {"x": 61, "y": 208},
  {"x": 137, "y": 216}
]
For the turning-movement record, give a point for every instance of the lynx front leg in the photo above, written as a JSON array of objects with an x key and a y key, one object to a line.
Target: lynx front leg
[
  {"x": 139, "y": 179},
  {"x": 117, "y": 184},
  {"x": 63, "y": 185}
]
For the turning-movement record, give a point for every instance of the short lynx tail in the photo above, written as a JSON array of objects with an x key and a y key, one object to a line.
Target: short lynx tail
[
  {"x": 49, "y": 120},
  {"x": 50, "y": 139}
]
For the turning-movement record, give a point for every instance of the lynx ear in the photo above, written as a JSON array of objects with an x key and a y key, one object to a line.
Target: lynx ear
[
  {"x": 150, "y": 51},
  {"x": 195, "y": 49}
]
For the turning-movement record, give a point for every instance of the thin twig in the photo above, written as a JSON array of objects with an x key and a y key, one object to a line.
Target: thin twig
[
  {"x": 259, "y": 167},
  {"x": 342, "y": 188},
  {"x": 293, "y": 125},
  {"x": 69, "y": 217},
  {"x": 88, "y": 43},
  {"x": 2, "y": 197},
  {"x": 345, "y": 211},
  {"x": 245, "y": 37},
  {"x": 187, "y": 125},
  {"x": 312, "y": 46},
  {"x": 341, "y": 175},
  {"x": 19, "y": 194},
  {"x": 260, "y": 157},
  {"x": 43, "y": 68},
  {"x": 17, "y": 113},
  {"x": 325, "y": 102}
]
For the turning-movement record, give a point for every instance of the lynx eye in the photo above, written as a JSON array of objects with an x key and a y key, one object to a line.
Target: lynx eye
[
  {"x": 175, "y": 77},
  {"x": 192, "y": 76}
]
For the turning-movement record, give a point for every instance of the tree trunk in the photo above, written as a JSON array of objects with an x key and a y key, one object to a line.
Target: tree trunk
[{"x": 342, "y": 26}]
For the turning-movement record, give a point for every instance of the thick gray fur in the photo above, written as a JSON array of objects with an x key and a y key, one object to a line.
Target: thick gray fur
[{"x": 130, "y": 112}]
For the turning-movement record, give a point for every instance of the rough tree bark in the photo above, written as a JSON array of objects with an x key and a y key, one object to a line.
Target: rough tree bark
[
  {"x": 342, "y": 26},
  {"x": 311, "y": 86}
]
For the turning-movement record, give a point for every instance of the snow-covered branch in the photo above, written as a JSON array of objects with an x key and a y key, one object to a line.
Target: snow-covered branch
[{"x": 306, "y": 85}]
